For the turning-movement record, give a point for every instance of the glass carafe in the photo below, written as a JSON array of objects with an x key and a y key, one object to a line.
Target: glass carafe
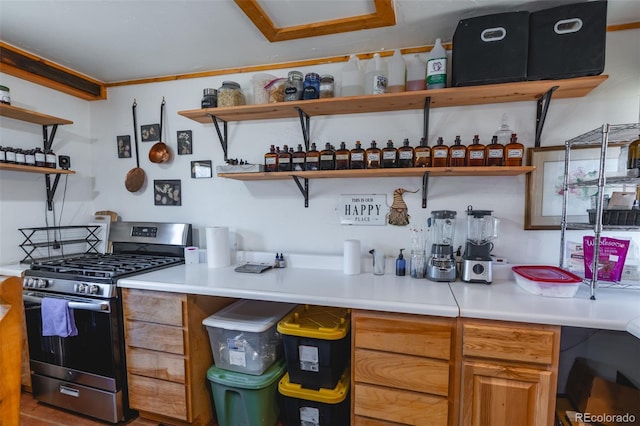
[
  {"x": 443, "y": 225},
  {"x": 482, "y": 226}
]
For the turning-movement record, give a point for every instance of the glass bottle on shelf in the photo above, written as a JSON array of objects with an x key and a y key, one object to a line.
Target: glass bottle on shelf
[
  {"x": 504, "y": 132},
  {"x": 514, "y": 152},
  {"x": 475, "y": 153},
  {"x": 21, "y": 159},
  {"x": 342, "y": 157},
  {"x": 40, "y": 158},
  {"x": 494, "y": 152},
  {"x": 313, "y": 158},
  {"x": 327, "y": 158},
  {"x": 270, "y": 160},
  {"x": 298, "y": 159},
  {"x": 439, "y": 154},
  {"x": 326, "y": 86},
  {"x": 10, "y": 155},
  {"x": 372, "y": 156},
  {"x": 3, "y": 155},
  {"x": 50, "y": 158},
  {"x": 357, "y": 157},
  {"x": 423, "y": 154},
  {"x": 405, "y": 154},
  {"x": 293, "y": 86},
  {"x": 311, "y": 86},
  {"x": 30, "y": 157},
  {"x": 457, "y": 153},
  {"x": 284, "y": 159},
  {"x": 389, "y": 155}
]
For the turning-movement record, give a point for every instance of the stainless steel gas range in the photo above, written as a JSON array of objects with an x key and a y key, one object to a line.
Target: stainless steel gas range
[{"x": 86, "y": 373}]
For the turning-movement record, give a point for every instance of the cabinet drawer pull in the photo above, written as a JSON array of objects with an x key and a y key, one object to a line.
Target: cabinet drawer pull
[{"x": 69, "y": 391}]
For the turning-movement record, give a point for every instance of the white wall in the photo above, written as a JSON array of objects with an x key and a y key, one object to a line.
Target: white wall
[{"x": 270, "y": 215}]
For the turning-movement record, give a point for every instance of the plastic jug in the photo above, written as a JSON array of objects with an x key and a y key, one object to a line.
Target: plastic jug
[
  {"x": 416, "y": 74},
  {"x": 397, "y": 73},
  {"x": 437, "y": 67},
  {"x": 352, "y": 78},
  {"x": 376, "y": 78}
]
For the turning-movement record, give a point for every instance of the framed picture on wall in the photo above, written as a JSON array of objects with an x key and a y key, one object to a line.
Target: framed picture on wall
[
  {"x": 167, "y": 192},
  {"x": 544, "y": 188},
  {"x": 185, "y": 142},
  {"x": 150, "y": 132},
  {"x": 201, "y": 169},
  {"x": 124, "y": 146}
]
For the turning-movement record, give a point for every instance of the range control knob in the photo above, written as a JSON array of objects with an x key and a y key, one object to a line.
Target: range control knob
[
  {"x": 94, "y": 289},
  {"x": 42, "y": 283},
  {"x": 27, "y": 282},
  {"x": 81, "y": 288}
]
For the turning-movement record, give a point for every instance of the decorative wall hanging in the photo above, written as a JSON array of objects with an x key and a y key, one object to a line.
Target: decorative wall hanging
[
  {"x": 167, "y": 192},
  {"x": 150, "y": 132},
  {"x": 185, "y": 142},
  {"x": 124, "y": 146},
  {"x": 201, "y": 169},
  {"x": 399, "y": 213}
]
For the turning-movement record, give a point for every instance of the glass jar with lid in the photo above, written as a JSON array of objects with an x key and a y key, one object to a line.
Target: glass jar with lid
[
  {"x": 311, "y": 86},
  {"x": 209, "y": 98},
  {"x": 326, "y": 86},
  {"x": 230, "y": 94},
  {"x": 293, "y": 86}
]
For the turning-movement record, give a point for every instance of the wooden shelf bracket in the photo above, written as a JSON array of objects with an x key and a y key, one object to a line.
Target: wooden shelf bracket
[
  {"x": 541, "y": 112},
  {"x": 223, "y": 136}
]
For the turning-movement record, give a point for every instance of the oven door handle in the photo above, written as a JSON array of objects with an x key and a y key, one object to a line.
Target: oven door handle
[{"x": 99, "y": 307}]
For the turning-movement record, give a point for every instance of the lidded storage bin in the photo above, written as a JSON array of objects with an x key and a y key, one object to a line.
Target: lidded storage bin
[
  {"x": 490, "y": 49},
  {"x": 317, "y": 345},
  {"x": 322, "y": 407},
  {"x": 246, "y": 400},
  {"x": 567, "y": 41},
  {"x": 244, "y": 337}
]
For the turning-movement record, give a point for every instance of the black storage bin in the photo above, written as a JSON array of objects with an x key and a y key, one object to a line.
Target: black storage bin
[
  {"x": 567, "y": 41},
  {"x": 490, "y": 49}
]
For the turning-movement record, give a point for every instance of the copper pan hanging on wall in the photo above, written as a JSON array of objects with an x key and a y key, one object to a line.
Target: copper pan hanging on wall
[
  {"x": 159, "y": 152},
  {"x": 136, "y": 176}
]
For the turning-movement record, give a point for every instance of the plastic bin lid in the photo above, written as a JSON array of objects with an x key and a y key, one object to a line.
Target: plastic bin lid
[
  {"x": 247, "y": 381},
  {"x": 254, "y": 316},
  {"x": 319, "y": 322},
  {"x": 326, "y": 396},
  {"x": 547, "y": 274}
]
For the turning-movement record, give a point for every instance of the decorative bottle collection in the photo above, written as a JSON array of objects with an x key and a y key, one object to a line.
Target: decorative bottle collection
[{"x": 29, "y": 157}]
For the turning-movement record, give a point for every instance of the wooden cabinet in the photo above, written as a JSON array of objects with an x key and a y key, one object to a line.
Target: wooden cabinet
[
  {"x": 11, "y": 340},
  {"x": 509, "y": 373},
  {"x": 403, "y": 370},
  {"x": 168, "y": 355}
]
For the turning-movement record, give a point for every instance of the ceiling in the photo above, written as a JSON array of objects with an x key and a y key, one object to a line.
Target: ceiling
[{"x": 114, "y": 41}]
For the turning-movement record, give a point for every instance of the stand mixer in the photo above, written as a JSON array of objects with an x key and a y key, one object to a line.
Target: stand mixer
[
  {"x": 442, "y": 264},
  {"x": 482, "y": 229}
]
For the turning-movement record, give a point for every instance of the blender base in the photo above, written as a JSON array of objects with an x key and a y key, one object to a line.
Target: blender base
[{"x": 476, "y": 271}]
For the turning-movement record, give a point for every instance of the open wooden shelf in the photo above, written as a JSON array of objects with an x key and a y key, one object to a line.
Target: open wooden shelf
[
  {"x": 30, "y": 116},
  {"x": 33, "y": 169},
  {"x": 454, "y": 96},
  {"x": 374, "y": 173}
]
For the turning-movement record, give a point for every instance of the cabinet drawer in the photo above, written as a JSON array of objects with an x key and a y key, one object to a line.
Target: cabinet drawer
[
  {"x": 153, "y": 306},
  {"x": 158, "y": 397},
  {"x": 155, "y": 337},
  {"x": 157, "y": 365},
  {"x": 401, "y": 371},
  {"x": 405, "y": 407},
  {"x": 535, "y": 344},
  {"x": 404, "y": 334},
  {"x": 365, "y": 421}
]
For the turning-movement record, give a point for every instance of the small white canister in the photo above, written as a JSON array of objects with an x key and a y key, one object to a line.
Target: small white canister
[{"x": 5, "y": 98}]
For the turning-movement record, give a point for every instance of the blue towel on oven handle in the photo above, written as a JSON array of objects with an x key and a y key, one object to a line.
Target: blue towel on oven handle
[{"x": 57, "y": 318}]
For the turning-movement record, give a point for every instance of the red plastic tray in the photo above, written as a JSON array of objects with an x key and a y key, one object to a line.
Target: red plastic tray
[{"x": 546, "y": 274}]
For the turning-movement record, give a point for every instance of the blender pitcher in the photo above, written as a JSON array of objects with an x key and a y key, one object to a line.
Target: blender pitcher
[{"x": 482, "y": 229}]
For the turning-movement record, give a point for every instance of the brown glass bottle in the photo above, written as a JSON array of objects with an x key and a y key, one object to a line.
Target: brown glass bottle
[
  {"x": 313, "y": 158},
  {"x": 270, "y": 160},
  {"x": 406, "y": 154},
  {"x": 342, "y": 157},
  {"x": 372, "y": 156},
  {"x": 513, "y": 152},
  {"x": 423, "y": 154},
  {"x": 494, "y": 153},
  {"x": 439, "y": 154},
  {"x": 457, "y": 153},
  {"x": 475, "y": 153},
  {"x": 284, "y": 159},
  {"x": 357, "y": 157},
  {"x": 389, "y": 156},
  {"x": 327, "y": 158},
  {"x": 298, "y": 159}
]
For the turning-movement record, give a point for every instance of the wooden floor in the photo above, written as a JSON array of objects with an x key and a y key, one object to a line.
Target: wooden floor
[{"x": 34, "y": 413}]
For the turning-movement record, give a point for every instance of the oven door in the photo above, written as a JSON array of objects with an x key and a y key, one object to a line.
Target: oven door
[{"x": 92, "y": 357}]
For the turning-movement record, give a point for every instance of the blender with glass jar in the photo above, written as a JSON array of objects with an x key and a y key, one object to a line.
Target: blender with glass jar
[
  {"x": 482, "y": 229},
  {"x": 441, "y": 265}
]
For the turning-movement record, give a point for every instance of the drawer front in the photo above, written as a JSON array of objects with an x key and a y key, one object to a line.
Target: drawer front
[
  {"x": 157, "y": 365},
  {"x": 364, "y": 421},
  {"x": 158, "y": 397},
  {"x": 155, "y": 337},
  {"x": 404, "y": 334},
  {"x": 401, "y": 371},
  {"x": 512, "y": 343},
  {"x": 153, "y": 306},
  {"x": 404, "y": 407}
]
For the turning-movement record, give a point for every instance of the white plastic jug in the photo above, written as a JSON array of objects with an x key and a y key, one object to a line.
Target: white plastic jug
[
  {"x": 397, "y": 73},
  {"x": 376, "y": 78},
  {"x": 437, "y": 67},
  {"x": 416, "y": 74},
  {"x": 352, "y": 78}
]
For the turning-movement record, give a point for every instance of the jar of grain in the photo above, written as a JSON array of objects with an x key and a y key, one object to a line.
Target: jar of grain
[
  {"x": 326, "y": 86},
  {"x": 230, "y": 94}
]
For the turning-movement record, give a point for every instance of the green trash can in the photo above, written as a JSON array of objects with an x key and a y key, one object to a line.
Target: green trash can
[{"x": 244, "y": 399}]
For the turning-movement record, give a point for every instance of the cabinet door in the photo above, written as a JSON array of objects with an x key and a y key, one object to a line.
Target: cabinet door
[{"x": 496, "y": 394}]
